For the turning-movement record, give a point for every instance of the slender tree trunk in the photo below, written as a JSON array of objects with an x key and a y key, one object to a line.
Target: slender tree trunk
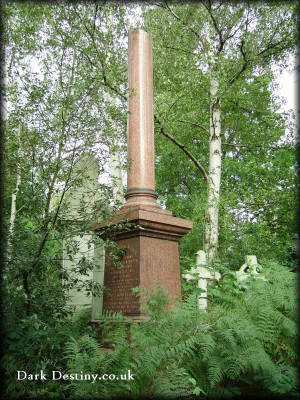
[
  {"x": 13, "y": 208},
  {"x": 115, "y": 161},
  {"x": 64, "y": 117},
  {"x": 115, "y": 169},
  {"x": 211, "y": 229}
]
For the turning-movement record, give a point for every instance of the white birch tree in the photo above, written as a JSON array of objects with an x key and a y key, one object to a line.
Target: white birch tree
[{"x": 213, "y": 48}]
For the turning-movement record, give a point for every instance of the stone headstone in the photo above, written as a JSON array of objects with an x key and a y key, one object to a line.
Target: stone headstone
[
  {"x": 84, "y": 249},
  {"x": 82, "y": 198},
  {"x": 249, "y": 268}
]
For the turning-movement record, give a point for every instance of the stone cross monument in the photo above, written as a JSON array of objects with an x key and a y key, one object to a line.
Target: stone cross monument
[
  {"x": 249, "y": 268},
  {"x": 152, "y": 245},
  {"x": 203, "y": 275}
]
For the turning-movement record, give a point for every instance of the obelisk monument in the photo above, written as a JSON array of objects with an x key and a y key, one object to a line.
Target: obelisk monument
[{"x": 152, "y": 245}]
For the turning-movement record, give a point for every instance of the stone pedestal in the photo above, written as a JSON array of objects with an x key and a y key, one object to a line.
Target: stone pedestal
[{"x": 151, "y": 255}]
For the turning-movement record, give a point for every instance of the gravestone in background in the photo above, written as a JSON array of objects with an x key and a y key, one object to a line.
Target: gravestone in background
[
  {"x": 250, "y": 268},
  {"x": 79, "y": 203}
]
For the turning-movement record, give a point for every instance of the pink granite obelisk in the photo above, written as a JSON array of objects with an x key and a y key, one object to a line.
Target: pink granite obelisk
[{"x": 152, "y": 245}]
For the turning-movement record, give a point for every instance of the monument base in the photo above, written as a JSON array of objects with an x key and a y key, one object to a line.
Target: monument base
[{"x": 151, "y": 255}]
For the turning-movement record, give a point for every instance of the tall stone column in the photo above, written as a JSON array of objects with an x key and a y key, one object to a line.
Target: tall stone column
[
  {"x": 140, "y": 132},
  {"x": 152, "y": 244}
]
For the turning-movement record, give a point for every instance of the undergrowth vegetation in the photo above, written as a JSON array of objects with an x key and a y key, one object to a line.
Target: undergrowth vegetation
[
  {"x": 245, "y": 343},
  {"x": 225, "y": 159}
]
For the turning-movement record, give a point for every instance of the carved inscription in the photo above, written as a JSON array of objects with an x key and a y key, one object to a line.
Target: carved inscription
[{"x": 120, "y": 281}]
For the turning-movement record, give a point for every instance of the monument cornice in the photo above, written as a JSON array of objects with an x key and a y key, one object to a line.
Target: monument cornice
[{"x": 144, "y": 222}]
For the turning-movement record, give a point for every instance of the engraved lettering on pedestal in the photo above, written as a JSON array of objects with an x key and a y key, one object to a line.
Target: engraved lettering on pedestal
[{"x": 121, "y": 280}]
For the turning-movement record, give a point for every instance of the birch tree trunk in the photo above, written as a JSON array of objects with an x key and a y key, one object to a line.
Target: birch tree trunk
[
  {"x": 13, "y": 208},
  {"x": 116, "y": 176},
  {"x": 116, "y": 167},
  {"x": 211, "y": 229}
]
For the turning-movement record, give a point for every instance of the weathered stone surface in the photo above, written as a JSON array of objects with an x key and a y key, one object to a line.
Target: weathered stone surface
[
  {"x": 140, "y": 178},
  {"x": 249, "y": 268},
  {"x": 85, "y": 192},
  {"x": 81, "y": 197},
  {"x": 98, "y": 277},
  {"x": 204, "y": 276},
  {"x": 151, "y": 255},
  {"x": 84, "y": 249}
]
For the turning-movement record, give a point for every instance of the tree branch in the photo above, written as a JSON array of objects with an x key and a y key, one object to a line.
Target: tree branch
[
  {"x": 244, "y": 66},
  {"x": 250, "y": 147},
  {"x": 262, "y": 53},
  {"x": 182, "y": 147},
  {"x": 219, "y": 32},
  {"x": 166, "y": 7},
  {"x": 105, "y": 81},
  {"x": 195, "y": 124},
  {"x": 46, "y": 234},
  {"x": 183, "y": 50}
]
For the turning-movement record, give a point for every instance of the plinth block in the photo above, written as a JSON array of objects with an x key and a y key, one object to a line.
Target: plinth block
[{"x": 151, "y": 256}]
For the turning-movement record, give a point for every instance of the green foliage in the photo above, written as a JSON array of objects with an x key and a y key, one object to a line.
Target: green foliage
[
  {"x": 285, "y": 380},
  {"x": 54, "y": 100},
  {"x": 245, "y": 341},
  {"x": 36, "y": 344},
  {"x": 257, "y": 212},
  {"x": 66, "y": 83},
  {"x": 154, "y": 301}
]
